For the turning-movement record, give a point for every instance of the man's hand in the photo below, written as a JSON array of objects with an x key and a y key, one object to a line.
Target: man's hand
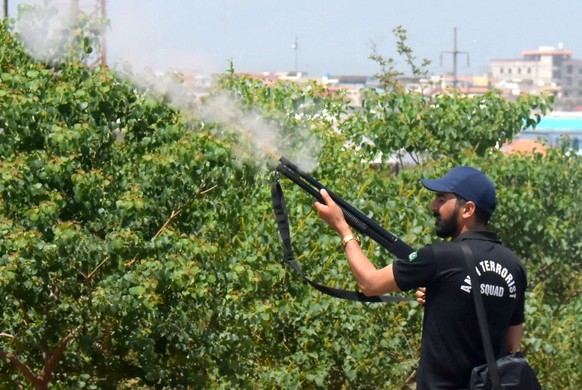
[
  {"x": 421, "y": 295},
  {"x": 372, "y": 281},
  {"x": 332, "y": 214}
]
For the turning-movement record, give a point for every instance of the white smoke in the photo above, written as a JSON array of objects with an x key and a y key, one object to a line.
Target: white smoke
[
  {"x": 49, "y": 31},
  {"x": 270, "y": 140},
  {"x": 252, "y": 136},
  {"x": 46, "y": 31},
  {"x": 224, "y": 110}
]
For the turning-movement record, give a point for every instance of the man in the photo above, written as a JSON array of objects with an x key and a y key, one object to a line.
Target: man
[{"x": 451, "y": 341}]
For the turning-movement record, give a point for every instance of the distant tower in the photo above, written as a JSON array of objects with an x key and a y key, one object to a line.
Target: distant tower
[
  {"x": 95, "y": 9},
  {"x": 295, "y": 47},
  {"x": 455, "y": 54}
]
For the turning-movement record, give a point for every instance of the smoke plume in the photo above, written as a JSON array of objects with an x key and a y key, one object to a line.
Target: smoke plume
[
  {"x": 57, "y": 32},
  {"x": 50, "y": 32},
  {"x": 255, "y": 138}
]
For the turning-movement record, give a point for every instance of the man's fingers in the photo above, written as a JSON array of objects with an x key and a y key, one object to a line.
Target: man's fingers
[
  {"x": 326, "y": 199},
  {"x": 420, "y": 295},
  {"x": 325, "y": 196},
  {"x": 327, "y": 205}
]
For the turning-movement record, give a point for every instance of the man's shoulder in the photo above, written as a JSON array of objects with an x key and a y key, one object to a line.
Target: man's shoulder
[
  {"x": 482, "y": 243},
  {"x": 447, "y": 248},
  {"x": 480, "y": 235},
  {"x": 487, "y": 246}
]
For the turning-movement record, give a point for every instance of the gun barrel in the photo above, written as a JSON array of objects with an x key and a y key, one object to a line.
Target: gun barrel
[{"x": 355, "y": 218}]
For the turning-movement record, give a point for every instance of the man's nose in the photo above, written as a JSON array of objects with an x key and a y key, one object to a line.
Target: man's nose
[{"x": 433, "y": 206}]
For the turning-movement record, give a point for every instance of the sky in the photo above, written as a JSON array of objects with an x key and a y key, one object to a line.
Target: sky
[{"x": 333, "y": 36}]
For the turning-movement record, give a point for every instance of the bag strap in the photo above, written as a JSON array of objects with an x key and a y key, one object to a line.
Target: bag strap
[
  {"x": 481, "y": 316},
  {"x": 282, "y": 218}
]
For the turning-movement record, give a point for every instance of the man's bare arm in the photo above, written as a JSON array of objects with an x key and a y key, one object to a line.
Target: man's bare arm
[
  {"x": 513, "y": 337},
  {"x": 372, "y": 281}
]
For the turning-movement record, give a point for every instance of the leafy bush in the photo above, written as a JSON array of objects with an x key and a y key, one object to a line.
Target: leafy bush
[{"x": 138, "y": 252}]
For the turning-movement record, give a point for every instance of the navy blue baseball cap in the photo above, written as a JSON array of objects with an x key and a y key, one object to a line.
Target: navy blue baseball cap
[{"x": 468, "y": 183}]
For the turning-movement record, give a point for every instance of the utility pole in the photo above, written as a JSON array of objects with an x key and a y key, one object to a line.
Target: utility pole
[
  {"x": 5, "y": 9},
  {"x": 295, "y": 47},
  {"x": 75, "y": 7},
  {"x": 98, "y": 11},
  {"x": 103, "y": 14},
  {"x": 455, "y": 54}
]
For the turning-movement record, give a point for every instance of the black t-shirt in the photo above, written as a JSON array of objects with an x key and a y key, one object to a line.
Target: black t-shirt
[{"x": 451, "y": 340}]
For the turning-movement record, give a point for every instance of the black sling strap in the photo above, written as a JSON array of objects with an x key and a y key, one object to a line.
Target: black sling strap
[
  {"x": 482, "y": 317},
  {"x": 282, "y": 218}
]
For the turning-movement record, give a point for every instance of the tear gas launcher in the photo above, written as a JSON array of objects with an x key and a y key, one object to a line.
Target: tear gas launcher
[{"x": 355, "y": 218}]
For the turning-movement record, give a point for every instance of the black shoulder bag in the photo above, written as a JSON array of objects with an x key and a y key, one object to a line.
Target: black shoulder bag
[{"x": 508, "y": 372}]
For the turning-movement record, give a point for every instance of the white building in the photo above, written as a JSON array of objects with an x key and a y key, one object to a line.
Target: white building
[{"x": 541, "y": 68}]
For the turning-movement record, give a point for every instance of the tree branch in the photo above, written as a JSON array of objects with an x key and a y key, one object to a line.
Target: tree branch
[
  {"x": 57, "y": 354},
  {"x": 26, "y": 371},
  {"x": 175, "y": 213},
  {"x": 90, "y": 276}
]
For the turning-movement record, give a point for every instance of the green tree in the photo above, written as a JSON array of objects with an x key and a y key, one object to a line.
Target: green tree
[
  {"x": 388, "y": 75},
  {"x": 105, "y": 227},
  {"x": 137, "y": 251}
]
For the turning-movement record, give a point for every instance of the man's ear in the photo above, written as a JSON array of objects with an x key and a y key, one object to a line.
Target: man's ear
[{"x": 469, "y": 209}]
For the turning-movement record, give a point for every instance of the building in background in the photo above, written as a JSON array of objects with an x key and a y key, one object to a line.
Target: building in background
[
  {"x": 570, "y": 97},
  {"x": 546, "y": 70}
]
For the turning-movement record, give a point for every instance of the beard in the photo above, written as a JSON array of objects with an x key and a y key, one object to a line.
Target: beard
[{"x": 446, "y": 227}]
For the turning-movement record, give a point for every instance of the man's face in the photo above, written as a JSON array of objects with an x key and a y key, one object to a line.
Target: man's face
[{"x": 445, "y": 209}]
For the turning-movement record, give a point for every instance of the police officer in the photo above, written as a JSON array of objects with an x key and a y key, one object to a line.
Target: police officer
[{"x": 464, "y": 200}]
